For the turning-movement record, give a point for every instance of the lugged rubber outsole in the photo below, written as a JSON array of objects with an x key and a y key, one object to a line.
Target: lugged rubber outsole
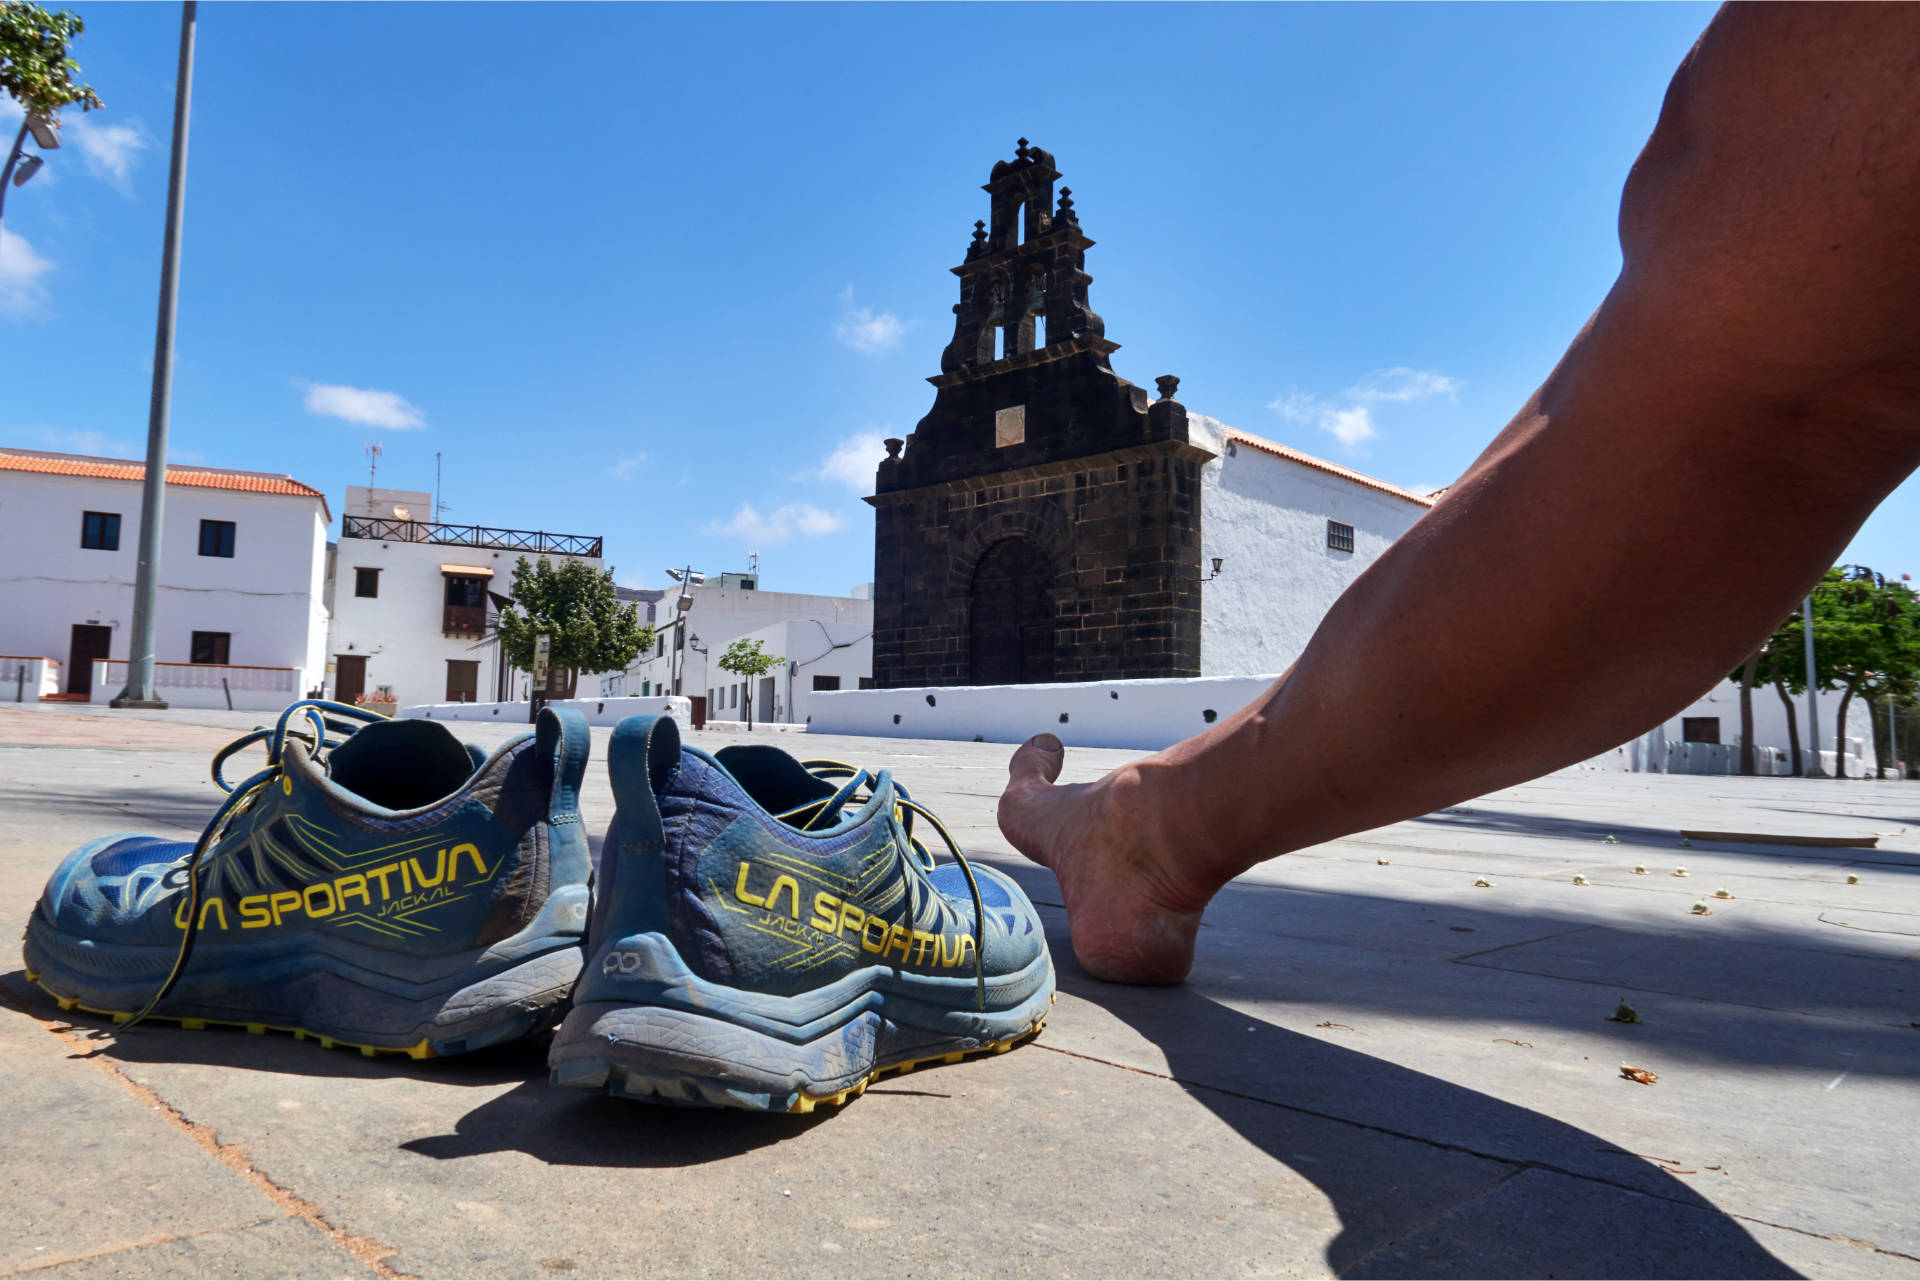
[
  {"x": 686, "y": 1090},
  {"x": 510, "y": 1026}
]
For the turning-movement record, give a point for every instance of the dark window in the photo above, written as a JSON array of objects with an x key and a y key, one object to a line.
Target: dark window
[
  {"x": 866, "y": 682},
  {"x": 465, "y": 592},
  {"x": 211, "y": 647},
  {"x": 366, "y": 582},
  {"x": 1699, "y": 729},
  {"x": 661, "y": 637},
  {"x": 825, "y": 682},
  {"x": 100, "y": 531},
  {"x": 1339, "y": 537},
  {"x": 216, "y": 538}
]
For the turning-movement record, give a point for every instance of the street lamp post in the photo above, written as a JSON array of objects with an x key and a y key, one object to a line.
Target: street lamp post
[
  {"x": 46, "y": 132},
  {"x": 1813, "y": 695},
  {"x": 139, "y": 690},
  {"x": 677, "y": 663}
]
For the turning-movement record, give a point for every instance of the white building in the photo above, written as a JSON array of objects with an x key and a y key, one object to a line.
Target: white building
[
  {"x": 240, "y": 590},
  {"x": 415, "y": 602},
  {"x": 827, "y": 642},
  {"x": 1290, "y": 532}
]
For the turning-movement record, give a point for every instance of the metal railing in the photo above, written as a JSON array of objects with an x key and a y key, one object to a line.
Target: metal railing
[{"x": 509, "y": 540}]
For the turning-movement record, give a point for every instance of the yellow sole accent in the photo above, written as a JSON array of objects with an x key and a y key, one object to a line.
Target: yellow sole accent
[
  {"x": 423, "y": 1050},
  {"x": 805, "y": 1104}
]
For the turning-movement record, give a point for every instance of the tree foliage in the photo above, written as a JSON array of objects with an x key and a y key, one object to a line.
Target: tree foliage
[
  {"x": 36, "y": 70},
  {"x": 590, "y": 628},
  {"x": 1866, "y": 643},
  {"x": 748, "y": 659}
]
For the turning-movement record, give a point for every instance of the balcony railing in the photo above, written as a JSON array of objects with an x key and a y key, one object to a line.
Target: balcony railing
[
  {"x": 464, "y": 620},
  {"x": 507, "y": 540}
]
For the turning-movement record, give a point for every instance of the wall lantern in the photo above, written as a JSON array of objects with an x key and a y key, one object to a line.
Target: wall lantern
[{"x": 1218, "y": 561}]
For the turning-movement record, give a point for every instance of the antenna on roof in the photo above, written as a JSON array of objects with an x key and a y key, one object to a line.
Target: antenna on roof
[
  {"x": 439, "y": 508},
  {"x": 753, "y": 562},
  {"x": 373, "y": 462}
]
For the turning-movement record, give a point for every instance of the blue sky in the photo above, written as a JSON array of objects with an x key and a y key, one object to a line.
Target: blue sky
[{"x": 666, "y": 273}]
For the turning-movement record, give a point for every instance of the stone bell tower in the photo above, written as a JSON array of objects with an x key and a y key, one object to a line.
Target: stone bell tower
[{"x": 1043, "y": 521}]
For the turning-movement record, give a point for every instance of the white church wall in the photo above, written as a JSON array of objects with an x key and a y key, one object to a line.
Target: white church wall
[{"x": 1266, "y": 518}]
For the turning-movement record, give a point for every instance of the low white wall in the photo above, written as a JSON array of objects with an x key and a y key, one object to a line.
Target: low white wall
[
  {"x": 1145, "y": 714},
  {"x": 26, "y": 679},
  {"x": 253, "y": 689},
  {"x": 598, "y": 711}
]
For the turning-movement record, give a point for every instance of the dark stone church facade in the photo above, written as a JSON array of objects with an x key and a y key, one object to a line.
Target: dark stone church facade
[{"x": 1043, "y": 520}]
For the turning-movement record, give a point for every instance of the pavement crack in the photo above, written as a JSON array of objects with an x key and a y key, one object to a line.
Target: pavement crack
[
  {"x": 1835, "y": 1237},
  {"x": 1468, "y": 956},
  {"x": 372, "y": 1254}
]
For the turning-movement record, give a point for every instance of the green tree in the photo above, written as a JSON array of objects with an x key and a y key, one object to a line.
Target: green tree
[
  {"x": 589, "y": 627},
  {"x": 1778, "y": 662},
  {"x": 36, "y": 71},
  {"x": 749, "y": 660}
]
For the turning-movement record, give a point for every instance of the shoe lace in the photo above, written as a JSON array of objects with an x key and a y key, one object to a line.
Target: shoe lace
[
  {"x": 321, "y": 725},
  {"x": 859, "y": 787}
]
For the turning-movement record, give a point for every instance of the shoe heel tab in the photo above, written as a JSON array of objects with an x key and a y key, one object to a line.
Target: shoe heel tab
[
  {"x": 653, "y": 739},
  {"x": 562, "y": 736}
]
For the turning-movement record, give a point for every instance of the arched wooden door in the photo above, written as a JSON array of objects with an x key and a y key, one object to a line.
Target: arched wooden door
[{"x": 1012, "y": 615}]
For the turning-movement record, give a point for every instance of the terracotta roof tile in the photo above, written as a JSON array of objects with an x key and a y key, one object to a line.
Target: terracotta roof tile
[
  {"x": 1320, "y": 464},
  {"x": 253, "y": 482}
]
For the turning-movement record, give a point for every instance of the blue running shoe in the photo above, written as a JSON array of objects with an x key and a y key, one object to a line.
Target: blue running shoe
[
  {"x": 376, "y": 885},
  {"x": 765, "y": 937}
]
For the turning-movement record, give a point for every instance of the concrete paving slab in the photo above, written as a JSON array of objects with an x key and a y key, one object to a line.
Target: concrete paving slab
[
  {"x": 284, "y": 1247},
  {"x": 1429, "y": 1085}
]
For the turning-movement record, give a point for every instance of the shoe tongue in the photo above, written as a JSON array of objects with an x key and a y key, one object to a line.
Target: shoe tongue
[
  {"x": 401, "y": 765},
  {"x": 775, "y": 780}
]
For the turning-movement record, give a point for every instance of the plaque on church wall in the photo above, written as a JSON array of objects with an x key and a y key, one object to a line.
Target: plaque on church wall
[{"x": 1010, "y": 426}]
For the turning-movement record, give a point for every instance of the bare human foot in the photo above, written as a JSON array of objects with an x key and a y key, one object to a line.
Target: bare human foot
[{"x": 1132, "y": 908}]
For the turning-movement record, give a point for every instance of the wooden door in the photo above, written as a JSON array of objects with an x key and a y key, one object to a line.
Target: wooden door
[
  {"x": 89, "y": 642},
  {"x": 349, "y": 677}
]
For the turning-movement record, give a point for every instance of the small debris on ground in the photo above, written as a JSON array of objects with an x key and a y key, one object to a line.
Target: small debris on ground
[
  {"x": 1482, "y": 883},
  {"x": 1525, "y": 1045},
  {"x": 1701, "y": 909},
  {"x": 1382, "y": 862},
  {"x": 1632, "y": 1073},
  {"x": 1625, "y": 1014},
  {"x": 1722, "y": 893},
  {"x": 1609, "y": 839},
  {"x": 1579, "y": 879},
  {"x": 1678, "y": 871},
  {"x": 1639, "y": 869},
  {"x": 1686, "y": 843},
  {"x": 1328, "y": 1023},
  {"x": 1853, "y": 878}
]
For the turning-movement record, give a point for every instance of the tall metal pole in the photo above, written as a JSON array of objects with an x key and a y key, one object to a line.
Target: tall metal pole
[
  {"x": 13, "y": 158},
  {"x": 1813, "y": 695},
  {"x": 139, "y": 690}
]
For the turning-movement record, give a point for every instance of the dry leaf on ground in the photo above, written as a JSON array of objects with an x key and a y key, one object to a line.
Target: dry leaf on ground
[{"x": 1632, "y": 1073}]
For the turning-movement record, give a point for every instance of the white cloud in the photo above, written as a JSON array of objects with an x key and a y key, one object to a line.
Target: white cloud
[
  {"x": 1349, "y": 417},
  {"x": 1349, "y": 426},
  {"x": 863, "y": 330},
  {"x": 108, "y": 150},
  {"x": 780, "y": 525},
  {"x": 22, "y": 289},
  {"x": 1404, "y": 385},
  {"x": 624, "y": 469},
  {"x": 362, "y": 405},
  {"x": 853, "y": 461}
]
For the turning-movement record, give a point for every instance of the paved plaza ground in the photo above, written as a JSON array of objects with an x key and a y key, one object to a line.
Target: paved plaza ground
[{"x": 1377, "y": 1069}]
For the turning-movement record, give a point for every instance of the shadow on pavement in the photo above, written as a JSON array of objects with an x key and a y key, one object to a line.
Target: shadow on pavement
[
  {"x": 1510, "y": 1197},
  {"x": 1667, "y": 839}
]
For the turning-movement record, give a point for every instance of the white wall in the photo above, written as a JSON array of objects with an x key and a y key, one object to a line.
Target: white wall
[
  {"x": 1770, "y": 724},
  {"x": 267, "y": 596},
  {"x": 400, "y": 630},
  {"x": 598, "y": 711},
  {"x": 1146, "y": 714},
  {"x": 718, "y": 615},
  {"x": 1266, "y": 517},
  {"x": 810, "y": 649}
]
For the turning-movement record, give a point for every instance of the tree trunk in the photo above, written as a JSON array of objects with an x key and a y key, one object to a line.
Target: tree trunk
[
  {"x": 1793, "y": 727},
  {"x": 1746, "y": 713},
  {"x": 746, "y": 696},
  {"x": 1840, "y": 736}
]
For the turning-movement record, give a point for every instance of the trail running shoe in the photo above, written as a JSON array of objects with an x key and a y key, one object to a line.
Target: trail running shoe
[
  {"x": 377, "y": 885},
  {"x": 764, "y": 938}
]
